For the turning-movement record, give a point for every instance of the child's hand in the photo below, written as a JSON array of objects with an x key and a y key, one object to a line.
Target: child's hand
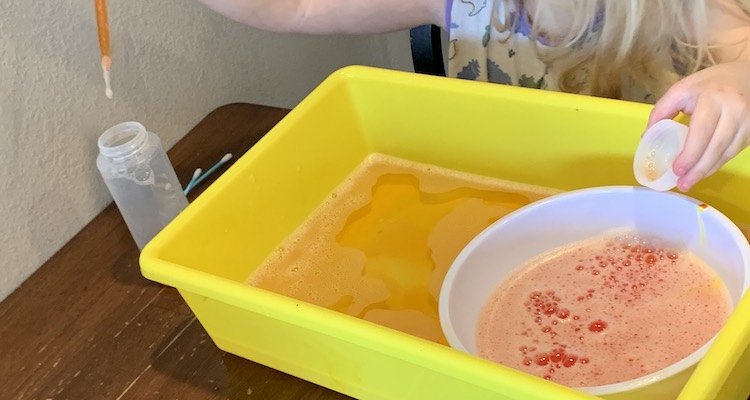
[{"x": 718, "y": 101}]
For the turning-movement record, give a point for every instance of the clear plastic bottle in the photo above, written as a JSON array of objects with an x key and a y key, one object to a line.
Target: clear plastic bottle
[{"x": 140, "y": 178}]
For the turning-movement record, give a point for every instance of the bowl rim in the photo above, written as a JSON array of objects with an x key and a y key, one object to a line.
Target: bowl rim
[{"x": 619, "y": 387}]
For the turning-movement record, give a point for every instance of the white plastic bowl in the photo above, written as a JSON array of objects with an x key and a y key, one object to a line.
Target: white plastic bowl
[{"x": 578, "y": 215}]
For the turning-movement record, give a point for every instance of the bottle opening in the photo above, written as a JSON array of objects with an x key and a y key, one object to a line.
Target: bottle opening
[{"x": 122, "y": 139}]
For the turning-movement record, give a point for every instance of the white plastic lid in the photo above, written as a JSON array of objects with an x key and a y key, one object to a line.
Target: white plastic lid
[{"x": 656, "y": 153}]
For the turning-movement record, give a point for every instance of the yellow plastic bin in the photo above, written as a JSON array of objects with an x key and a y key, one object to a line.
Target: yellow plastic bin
[{"x": 542, "y": 138}]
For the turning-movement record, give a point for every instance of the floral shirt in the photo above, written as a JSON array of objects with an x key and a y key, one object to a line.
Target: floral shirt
[{"x": 478, "y": 51}]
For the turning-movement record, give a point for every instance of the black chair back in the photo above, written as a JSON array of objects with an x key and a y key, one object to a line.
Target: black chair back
[{"x": 426, "y": 50}]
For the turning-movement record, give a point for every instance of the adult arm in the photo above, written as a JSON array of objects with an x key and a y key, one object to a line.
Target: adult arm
[{"x": 332, "y": 16}]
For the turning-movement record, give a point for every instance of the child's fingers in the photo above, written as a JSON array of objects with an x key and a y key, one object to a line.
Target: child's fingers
[
  {"x": 702, "y": 125},
  {"x": 717, "y": 99},
  {"x": 708, "y": 139},
  {"x": 674, "y": 101}
]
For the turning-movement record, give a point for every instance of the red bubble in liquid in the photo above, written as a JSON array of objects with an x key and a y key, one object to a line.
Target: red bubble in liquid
[
  {"x": 570, "y": 360},
  {"x": 597, "y": 326},
  {"x": 584, "y": 360},
  {"x": 672, "y": 255},
  {"x": 579, "y": 267},
  {"x": 542, "y": 359},
  {"x": 556, "y": 355},
  {"x": 651, "y": 259},
  {"x": 527, "y": 361},
  {"x": 563, "y": 313}
]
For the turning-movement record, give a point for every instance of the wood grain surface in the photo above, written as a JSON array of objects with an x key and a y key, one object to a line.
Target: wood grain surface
[{"x": 87, "y": 325}]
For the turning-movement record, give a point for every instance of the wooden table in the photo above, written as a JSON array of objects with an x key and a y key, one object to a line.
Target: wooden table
[{"x": 87, "y": 325}]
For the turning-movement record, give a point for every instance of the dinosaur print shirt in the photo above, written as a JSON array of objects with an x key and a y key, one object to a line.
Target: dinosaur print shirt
[{"x": 478, "y": 51}]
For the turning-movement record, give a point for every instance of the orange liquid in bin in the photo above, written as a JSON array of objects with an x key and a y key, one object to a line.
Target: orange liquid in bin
[
  {"x": 543, "y": 139},
  {"x": 380, "y": 245}
]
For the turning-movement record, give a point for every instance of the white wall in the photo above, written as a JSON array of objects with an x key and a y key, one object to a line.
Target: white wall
[{"x": 173, "y": 62}]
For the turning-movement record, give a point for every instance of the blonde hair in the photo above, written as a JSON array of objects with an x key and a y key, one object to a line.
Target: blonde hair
[{"x": 650, "y": 42}]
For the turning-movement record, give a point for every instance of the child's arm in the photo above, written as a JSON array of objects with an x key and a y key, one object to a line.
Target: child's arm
[
  {"x": 717, "y": 98},
  {"x": 332, "y": 16}
]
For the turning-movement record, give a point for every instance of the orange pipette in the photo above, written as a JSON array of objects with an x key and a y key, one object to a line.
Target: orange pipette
[{"x": 103, "y": 28}]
